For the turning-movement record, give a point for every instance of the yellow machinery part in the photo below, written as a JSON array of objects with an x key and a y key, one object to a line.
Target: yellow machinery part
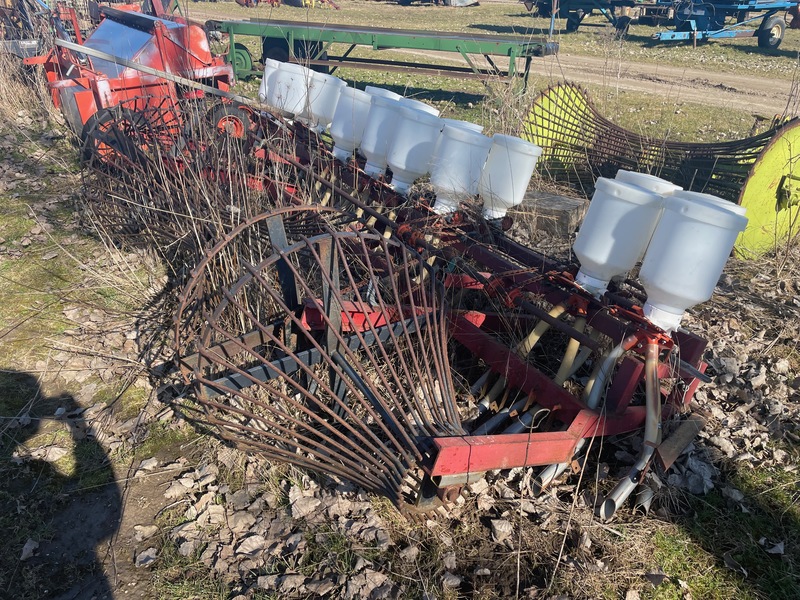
[
  {"x": 562, "y": 123},
  {"x": 769, "y": 195}
]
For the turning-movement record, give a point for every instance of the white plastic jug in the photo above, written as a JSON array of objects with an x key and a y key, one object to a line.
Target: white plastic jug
[
  {"x": 381, "y": 127},
  {"x": 455, "y": 123},
  {"x": 270, "y": 66},
  {"x": 506, "y": 174},
  {"x": 457, "y": 164},
  {"x": 615, "y": 231},
  {"x": 411, "y": 150},
  {"x": 462, "y": 124},
  {"x": 648, "y": 182},
  {"x": 419, "y": 105},
  {"x": 323, "y": 94},
  {"x": 349, "y": 120},
  {"x": 686, "y": 256},
  {"x": 288, "y": 88}
]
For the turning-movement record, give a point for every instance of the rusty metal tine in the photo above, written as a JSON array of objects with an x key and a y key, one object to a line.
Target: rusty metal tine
[
  {"x": 401, "y": 357},
  {"x": 254, "y": 272},
  {"x": 286, "y": 377},
  {"x": 366, "y": 349},
  {"x": 388, "y": 455},
  {"x": 418, "y": 368},
  {"x": 396, "y": 343},
  {"x": 319, "y": 449},
  {"x": 334, "y": 466}
]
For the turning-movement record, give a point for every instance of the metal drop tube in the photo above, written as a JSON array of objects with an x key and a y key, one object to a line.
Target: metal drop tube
[
  {"x": 596, "y": 385},
  {"x": 652, "y": 435},
  {"x": 569, "y": 355},
  {"x": 523, "y": 349}
]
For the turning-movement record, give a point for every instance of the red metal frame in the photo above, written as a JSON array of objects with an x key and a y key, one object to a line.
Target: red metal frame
[{"x": 176, "y": 46}]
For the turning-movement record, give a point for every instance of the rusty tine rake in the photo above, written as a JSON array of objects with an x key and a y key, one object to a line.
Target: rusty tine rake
[
  {"x": 329, "y": 352},
  {"x": 580, "y": 145}
]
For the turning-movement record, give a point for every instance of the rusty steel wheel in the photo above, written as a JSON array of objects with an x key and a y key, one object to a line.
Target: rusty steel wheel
[
  {"x": 114, "y": 136},
  {"x": 230, "y": 120},
  {"x": 317, "y": 341}
]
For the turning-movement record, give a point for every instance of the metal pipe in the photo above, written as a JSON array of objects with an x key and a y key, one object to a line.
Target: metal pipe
[
  {"x": 479, "y": 386},
  {"x": 583, "y": 355},
  {"x": 524, "y": 348},
  {"x": 596, "y": 385},
  {"x": 550, "y": 473},
  {"x": 571, "y": 352},
  {"x": 525, "y": 420},
  {"x": 652, "y": 434},
  {"x": 644, "y": 498},
  {"x": 606, "y": 367},
  {"x": 498, "y": 419}
]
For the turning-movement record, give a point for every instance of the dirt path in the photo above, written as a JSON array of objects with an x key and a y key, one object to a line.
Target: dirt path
[
  {"x": 726, "y": 90},
  {"x": 761, "y": 95}
]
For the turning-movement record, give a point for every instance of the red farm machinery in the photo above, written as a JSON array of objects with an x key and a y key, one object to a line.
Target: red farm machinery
[
  {"x": 342, "y": 327},
  {"x": 331, "y": 322},
  {"x": 132, "y": 58}
]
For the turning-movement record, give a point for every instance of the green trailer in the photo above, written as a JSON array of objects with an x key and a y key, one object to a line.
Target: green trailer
[{"x": 311, "y": 43}]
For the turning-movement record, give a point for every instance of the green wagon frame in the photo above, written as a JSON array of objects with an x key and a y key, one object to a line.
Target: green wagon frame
[{"x": 311, "y": 43}]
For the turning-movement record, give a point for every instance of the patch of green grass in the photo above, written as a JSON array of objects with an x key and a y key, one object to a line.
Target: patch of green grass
[
  {"x": 329, "y": 548},
  {"x": 164, "y": 441},
  {"x": 682, "y": 559},
  {"x": 185, "y": 577},
  {"x": 772, "y": 502},
  {"x": 19, "y": 390},
  {"x": 510, "y": 18}
]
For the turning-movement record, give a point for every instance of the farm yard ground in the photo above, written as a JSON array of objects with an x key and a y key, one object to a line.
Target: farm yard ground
[{"x": 110, "y": 492}]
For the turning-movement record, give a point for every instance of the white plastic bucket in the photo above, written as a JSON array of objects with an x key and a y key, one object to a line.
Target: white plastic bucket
[
  {"x": 615, "y": 231},
  {"x": 711, "y": 200},
  {"x": 463, "y": 124},
  {"x": 323, "y": 94},
  {"x": 457, "y": 164},
  {"x": 382, "y": 92},
  {"x": 456, "y": 123},
  {"x": 411, "y": 150},
  {"x": 506, "y": 174},
  {"x": 686, "y": 256},
  {"x": 288, "y": 88},
  {"x": 349, "y": 120},
  {"x": 384, "y": 115},
  {"x": 270, "y": 66},
  {"x": 648, "y": 182},
  {"x": 419, "y": 105}
]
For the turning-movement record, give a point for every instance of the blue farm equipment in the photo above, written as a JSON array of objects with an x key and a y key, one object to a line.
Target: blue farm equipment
[{"x": 717, "y": 19}]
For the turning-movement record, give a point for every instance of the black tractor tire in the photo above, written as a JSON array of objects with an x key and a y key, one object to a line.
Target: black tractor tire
[
  {"x": 278, "y": 49},
  {"x": 622, "y": 26},
  {"x": 770, "y": 34}
]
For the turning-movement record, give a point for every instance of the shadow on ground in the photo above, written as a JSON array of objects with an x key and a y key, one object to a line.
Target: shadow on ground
[{"x": 59, "y": 502}]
